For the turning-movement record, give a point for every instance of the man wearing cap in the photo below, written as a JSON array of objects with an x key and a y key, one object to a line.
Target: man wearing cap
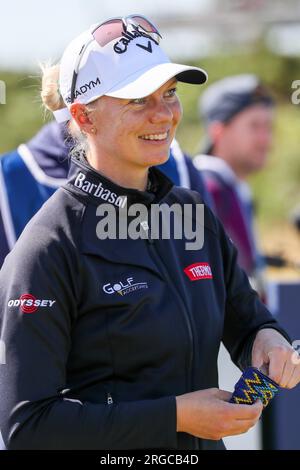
[{"x": 238, "y": 114}]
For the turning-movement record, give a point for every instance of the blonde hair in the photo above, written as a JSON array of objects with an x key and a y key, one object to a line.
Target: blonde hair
[
  {"x": 53, "y": 101},
  {"x": 50, "y": 94}
]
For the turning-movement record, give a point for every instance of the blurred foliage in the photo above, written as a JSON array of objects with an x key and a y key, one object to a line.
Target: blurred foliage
[
  {"x": 276, "y": 188},
  {"x": 22, "y": 115}
]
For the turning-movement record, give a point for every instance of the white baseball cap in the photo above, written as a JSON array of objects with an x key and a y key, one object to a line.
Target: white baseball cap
[{"x": 120, "y": 58}]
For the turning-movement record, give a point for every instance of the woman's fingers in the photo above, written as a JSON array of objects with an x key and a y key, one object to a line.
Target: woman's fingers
[
  {"x": 295, "y": 377},
  {"x": 245, "y": 412}
]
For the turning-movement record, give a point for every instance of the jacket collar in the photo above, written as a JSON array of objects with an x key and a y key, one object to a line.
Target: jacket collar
[
  {"x": 50, "y": 148},
  {"x": 95, "y": 188}
]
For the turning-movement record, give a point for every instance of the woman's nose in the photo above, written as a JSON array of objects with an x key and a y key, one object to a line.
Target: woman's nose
[{"x": 161, "y": 112}]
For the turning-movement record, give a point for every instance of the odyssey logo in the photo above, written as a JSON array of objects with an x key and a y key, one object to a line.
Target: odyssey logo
[
  {"x": 124, "y": 288},
  {"x": 29, "y": 304},
  {"x": 97, "y": 190},
  {"x": 198, "y": 271}
]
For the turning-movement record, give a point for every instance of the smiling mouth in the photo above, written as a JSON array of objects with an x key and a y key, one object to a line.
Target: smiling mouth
[{"x": 155, "y": 137}]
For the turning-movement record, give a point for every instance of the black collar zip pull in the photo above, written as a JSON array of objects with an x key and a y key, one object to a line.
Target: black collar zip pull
[{"x": 109, "y": 399}]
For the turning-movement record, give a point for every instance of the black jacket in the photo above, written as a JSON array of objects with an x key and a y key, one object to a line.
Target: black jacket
[{"x": 101, "y": 335}]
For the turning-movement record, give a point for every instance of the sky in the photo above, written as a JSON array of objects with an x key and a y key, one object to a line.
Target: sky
[{"x": 32, "y": 31}]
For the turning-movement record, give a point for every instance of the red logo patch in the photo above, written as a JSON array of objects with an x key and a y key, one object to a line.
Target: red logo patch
[
  {"x": 198, "y": 271},
  {"x": 28, "y": 307}
]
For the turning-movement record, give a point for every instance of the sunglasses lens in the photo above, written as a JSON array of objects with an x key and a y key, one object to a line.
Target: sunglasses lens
[
  {"x": 145, "y": 24},
  {"x": 113, "y": 29},
  {"x": 108, "y": 32}
]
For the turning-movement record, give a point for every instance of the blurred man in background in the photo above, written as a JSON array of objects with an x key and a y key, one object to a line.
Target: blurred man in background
[
  {"x": 180, "y": 169},
  {"x": 238, "y": 116}
]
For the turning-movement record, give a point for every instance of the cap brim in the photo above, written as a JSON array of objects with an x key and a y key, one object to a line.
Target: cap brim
[{"x": 144, "y": 83}]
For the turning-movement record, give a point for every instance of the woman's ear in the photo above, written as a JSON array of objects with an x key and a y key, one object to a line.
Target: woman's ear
[
  {"x": 79, "y": 114},
  {"x": 215, "y": 131}
]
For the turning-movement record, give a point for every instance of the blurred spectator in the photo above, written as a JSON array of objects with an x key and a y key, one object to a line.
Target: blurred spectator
[
  {"x": 238, "y": 116},
  {"x": 31, "y": 174},
  {"x": 180, "y": 169}
]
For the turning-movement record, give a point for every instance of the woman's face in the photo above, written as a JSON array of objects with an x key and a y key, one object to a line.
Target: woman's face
[{"x": 136, "y": 133}]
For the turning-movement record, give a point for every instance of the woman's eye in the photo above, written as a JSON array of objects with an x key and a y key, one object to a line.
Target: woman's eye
[
  {"x": 171, "y": 92},
  {"x": 138, "y": 101}
]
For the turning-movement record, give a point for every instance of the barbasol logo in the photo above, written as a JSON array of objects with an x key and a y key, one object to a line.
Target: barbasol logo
[
  {"x": 198, "y": 271},
  {"x": 97, "y": 190},
  {"x": 29, "y": 304},
  {"x": 84, "y": 88},
  {"x": 124, "y": 287}
]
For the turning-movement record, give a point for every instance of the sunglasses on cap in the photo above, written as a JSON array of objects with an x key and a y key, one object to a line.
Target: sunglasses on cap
[{"x": 112, "y": 29}]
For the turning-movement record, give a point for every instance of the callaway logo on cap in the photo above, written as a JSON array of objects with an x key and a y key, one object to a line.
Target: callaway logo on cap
[{"x": 121, "y": 58}]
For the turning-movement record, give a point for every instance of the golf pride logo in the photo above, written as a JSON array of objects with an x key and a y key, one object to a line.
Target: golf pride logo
[
  {"x": 29, "y": 304},
  {"x": 124, "y": 288},
  {"x": 198, "y": 271}
]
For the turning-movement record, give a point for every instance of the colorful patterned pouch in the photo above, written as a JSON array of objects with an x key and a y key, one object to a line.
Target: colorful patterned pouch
[{"x": 254, "y": 385}]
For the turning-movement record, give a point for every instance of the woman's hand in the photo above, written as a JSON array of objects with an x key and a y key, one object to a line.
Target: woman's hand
[
  {"x": 207, "y": 414},
  {"x": 274, "y": 355}
]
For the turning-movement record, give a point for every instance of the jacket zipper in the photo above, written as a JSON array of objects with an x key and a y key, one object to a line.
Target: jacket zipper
[
  {"x": 186, "y": 316},
  {"x": 180, "y": 301}
]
